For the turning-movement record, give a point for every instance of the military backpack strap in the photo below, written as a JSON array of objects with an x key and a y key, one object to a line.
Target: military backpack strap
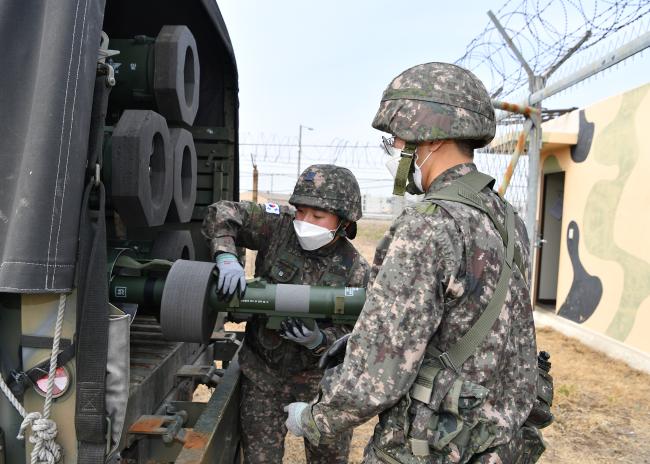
[
  {"x": 465, "y": 347},
  {"x": 465, "y": 190}
]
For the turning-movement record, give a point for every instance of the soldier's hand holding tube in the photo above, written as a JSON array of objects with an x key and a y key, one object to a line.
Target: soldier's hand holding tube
[
  {"x": 295, "y": 330},
  {"x": 231, "y": 275}
]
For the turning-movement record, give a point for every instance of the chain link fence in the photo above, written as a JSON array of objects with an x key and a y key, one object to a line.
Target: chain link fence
[{"x": 497, "y": 156}]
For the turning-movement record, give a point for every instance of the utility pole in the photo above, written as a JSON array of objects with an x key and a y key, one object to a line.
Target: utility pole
[
  {"x": 301, "y": 127},
  {"x": 255, "y": 177}
]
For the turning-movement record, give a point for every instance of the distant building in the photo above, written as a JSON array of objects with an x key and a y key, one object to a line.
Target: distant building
[{"x": 376, "y": 205}]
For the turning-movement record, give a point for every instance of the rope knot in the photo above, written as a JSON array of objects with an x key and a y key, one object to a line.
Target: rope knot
[{"x": 44, "y": 431}]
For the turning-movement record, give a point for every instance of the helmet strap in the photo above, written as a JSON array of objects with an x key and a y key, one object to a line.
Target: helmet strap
[
  {"x": 404, "y": 169},
  {"x": 340, "y": 229}
]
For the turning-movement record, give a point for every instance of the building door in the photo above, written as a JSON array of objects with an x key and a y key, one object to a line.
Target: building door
[{"x": 551, "y": 237}]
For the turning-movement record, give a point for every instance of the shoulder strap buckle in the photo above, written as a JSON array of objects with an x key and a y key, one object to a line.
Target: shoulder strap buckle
[{"x": 446, "y": 361}]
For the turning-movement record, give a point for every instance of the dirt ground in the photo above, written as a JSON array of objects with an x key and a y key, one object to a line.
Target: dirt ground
[{"x": 602, "y": 406}]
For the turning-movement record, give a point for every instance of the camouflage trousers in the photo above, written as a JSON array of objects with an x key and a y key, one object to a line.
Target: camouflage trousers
[{"x": 262, "y": 420}]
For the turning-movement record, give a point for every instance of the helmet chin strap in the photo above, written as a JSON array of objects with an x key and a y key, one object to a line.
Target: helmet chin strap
[
  {"x": 403, "y": 175},
  {"x": 338, "y": 232}
]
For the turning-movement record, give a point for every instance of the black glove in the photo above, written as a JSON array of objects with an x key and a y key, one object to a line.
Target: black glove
[
  {"x": 334, "y": 354},
  {"x": 295, "y": 330}
]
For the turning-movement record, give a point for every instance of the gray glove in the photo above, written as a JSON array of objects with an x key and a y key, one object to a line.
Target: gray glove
[
  {"x": 294, "y": 421},
  {"x": 295, "y": 330},
  {"x": 231, "y": 275},
  {"x": 334, "y": 354}
]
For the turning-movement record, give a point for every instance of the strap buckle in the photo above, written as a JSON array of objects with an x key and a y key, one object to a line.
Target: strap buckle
[
  {"x": 96, "y": 179},
  {"x": 446, "y": 361},
  {"x": 19, "y": 381}
]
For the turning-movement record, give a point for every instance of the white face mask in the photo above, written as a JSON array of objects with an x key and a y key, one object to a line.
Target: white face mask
[
  {"x": 393, "y": 163},
  {"x": 310, "y": 236},
  {"x": 417, "y": 172}
]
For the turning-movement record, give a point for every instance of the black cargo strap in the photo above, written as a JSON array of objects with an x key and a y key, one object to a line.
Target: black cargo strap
[
  {"x": 92, "y": 306},
  {"x": 92, "y": 334},
  {"x": 20, "y": 381},
  {"x": 45, "y": 343},
  {"x": 465, "y": 190}
]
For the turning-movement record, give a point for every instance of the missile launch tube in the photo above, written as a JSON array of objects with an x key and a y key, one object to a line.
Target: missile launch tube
[
  {"x": 187, "y": 301},
  {"x": 260, "y": 297}
]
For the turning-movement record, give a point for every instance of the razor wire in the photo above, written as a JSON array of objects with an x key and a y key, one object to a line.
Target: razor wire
[
  {"x": 281, "y": 150},
  {"x": 549, "y": 34},
  {"x": 276, "y": 157},
  {"x": 546, "y": 31}
]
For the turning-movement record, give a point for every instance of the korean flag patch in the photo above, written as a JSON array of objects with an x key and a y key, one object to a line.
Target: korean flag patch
[{"x": 272, "y": 208}]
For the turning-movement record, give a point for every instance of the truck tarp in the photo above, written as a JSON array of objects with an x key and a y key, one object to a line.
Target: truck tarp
[{"x": 48, "y": 64}]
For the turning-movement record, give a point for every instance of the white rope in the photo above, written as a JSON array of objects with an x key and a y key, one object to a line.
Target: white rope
[
  {"x": 46, "y": 450},
  {"x": 44, "y": 431},
  {"x": 12, "y": 399},
  {"x": 54, "y": 355}
]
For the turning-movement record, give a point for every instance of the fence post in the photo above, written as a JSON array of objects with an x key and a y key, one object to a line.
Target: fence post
[{"x": 534, "y": 174}]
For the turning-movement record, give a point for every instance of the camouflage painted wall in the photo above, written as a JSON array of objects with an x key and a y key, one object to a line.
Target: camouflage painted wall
[{"x": 604, "y": 270}]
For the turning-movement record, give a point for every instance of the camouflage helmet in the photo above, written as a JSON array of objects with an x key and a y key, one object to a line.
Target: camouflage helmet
[
  {"x": 436, "y": 101},
  {"x": 330, "y": 188}
]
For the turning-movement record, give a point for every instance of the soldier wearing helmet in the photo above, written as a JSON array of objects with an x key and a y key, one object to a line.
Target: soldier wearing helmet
[
  {"x": 309, "y": 245},
  {"x": 444, "y": 349}
]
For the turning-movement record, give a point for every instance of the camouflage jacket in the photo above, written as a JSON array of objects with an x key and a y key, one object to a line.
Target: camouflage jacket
[
  {"x": 432, "y": 276},
  {"x": 268, "y": 228}
]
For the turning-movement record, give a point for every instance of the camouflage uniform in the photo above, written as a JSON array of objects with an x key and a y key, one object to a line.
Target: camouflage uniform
[
  {"x": 434, "y": 273},
  {"x": 277, "y": 371}
]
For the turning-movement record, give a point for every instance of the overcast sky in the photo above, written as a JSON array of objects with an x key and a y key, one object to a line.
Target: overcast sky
[{"x": 325, "y": 64}]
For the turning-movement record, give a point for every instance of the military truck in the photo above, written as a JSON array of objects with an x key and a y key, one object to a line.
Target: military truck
[{"x": 119, "y": 126}]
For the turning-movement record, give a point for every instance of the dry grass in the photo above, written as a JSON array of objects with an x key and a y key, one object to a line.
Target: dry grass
[
  {"x": 294, "y": 452},
  {"x": 602, "y": 406},
  {"x": 369, "y": 232}
]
